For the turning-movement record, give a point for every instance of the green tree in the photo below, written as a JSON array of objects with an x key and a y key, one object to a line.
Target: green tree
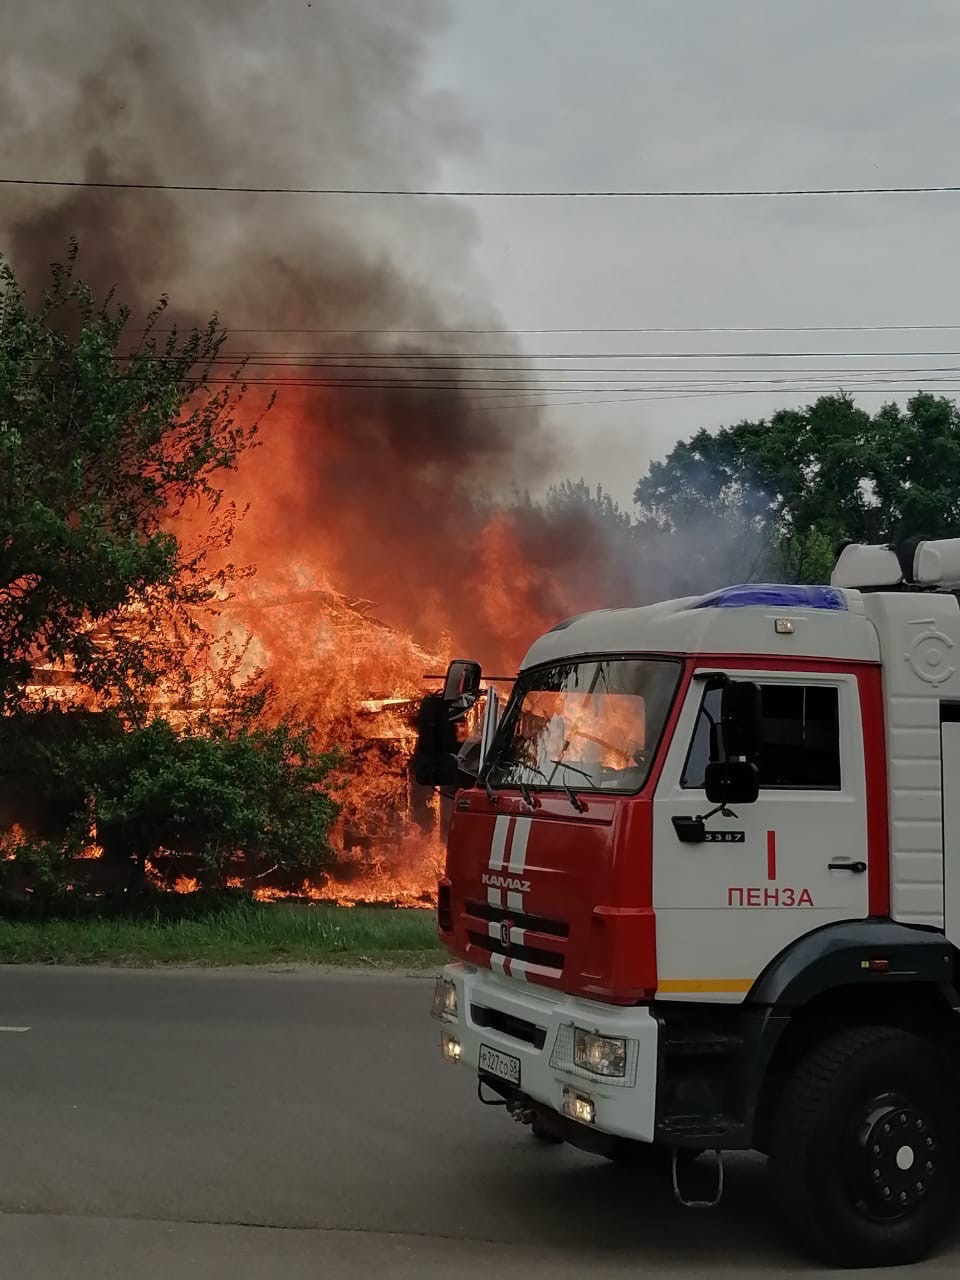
[
  {"x": 229, "y": 790},
  {"x": 104, "y": 436},
  {"x": 799, "y": 482}
]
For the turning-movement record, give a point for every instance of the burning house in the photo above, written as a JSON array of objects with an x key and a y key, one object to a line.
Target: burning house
[
  {"x": 386, "y": 470},
  {"x": 357, "y": 682}
]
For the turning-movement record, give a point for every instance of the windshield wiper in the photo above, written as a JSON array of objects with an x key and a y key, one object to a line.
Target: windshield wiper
[
  {"x": 572, "y": 796},
  {"x": 525, "y": 788}
]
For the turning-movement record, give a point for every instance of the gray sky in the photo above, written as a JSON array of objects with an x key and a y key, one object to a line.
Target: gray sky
[
  {"x": 701, "y": 94},
  {"x": 487, "y": 94}
]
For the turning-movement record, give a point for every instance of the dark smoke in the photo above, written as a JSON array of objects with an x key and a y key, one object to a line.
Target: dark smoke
[{"x": 396, "y": 489}]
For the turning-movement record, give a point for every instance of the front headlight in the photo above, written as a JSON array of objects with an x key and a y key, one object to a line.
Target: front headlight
[
  {"x": 445, "y": 999},
  {"x": 603, "y": 1055}
]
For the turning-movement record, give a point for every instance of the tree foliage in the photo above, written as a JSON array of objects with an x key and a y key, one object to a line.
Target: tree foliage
[
  {"x": 805, "y": 479},
  {"x": 216, "y": 794},
  {"x": 104, "y": 435}
]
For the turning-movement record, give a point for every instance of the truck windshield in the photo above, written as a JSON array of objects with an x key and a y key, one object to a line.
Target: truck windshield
[{"x": 584, "y": 725}]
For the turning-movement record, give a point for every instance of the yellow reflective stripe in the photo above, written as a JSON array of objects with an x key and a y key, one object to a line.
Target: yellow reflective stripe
[{"x": 677, "y": 986}]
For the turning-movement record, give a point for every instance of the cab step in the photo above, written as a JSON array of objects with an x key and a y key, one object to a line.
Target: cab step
[
  {"x": 701, "y": 1044},
  {"x": 702, "y": 1126}
]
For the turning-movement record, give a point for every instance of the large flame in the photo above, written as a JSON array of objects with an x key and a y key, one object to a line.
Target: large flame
[{"x": 345, "y": 665}]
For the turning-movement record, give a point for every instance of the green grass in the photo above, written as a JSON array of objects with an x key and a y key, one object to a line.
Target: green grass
[{"x": 242, "y": 934}]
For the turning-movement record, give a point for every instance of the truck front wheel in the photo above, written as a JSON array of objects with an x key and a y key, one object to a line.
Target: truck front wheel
[{"x": 863, "y": 1148}]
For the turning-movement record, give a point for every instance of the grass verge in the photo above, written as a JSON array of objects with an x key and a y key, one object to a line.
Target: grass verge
[{"x": 241, "y": 934}]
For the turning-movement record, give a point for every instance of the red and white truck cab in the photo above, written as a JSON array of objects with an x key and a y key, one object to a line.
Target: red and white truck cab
[{"x": 702, "y": 891}]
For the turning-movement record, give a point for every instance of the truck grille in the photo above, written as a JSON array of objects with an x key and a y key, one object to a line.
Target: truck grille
[
  {"x": 508, "y": 1025},
  {"x": 536, "y": 924},
  {"x": 533, "y": 955}
]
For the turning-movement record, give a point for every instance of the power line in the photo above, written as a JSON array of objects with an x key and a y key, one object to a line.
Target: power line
[
  {"x": 745, "y": 193},
  {"x": 693, "y": 395},
  {"x": 461, "y": 374},
  {"x": 699, "y": 395},
  {"x": 532, "y": 387},
  {"x": 523, "y": 358},
  {"x": 459, "y": 391},
  {"x": 799, "y": 328}
]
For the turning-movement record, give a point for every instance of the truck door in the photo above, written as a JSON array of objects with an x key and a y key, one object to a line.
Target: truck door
[
  {"x": 950, "y": 790},
  {"x": 776, "y": 869}
]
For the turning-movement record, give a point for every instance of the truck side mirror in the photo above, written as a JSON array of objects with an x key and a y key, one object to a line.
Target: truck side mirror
[
  {"x": 731, "y": 777},
  {"x": 731, "y": 782},
  {"x": 740, "y": 720},
  {"x": 461, "y": 687}
]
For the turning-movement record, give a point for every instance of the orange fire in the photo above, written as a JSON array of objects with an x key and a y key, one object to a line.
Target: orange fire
[
  {"x": 350, "y": 667},
  {"x": 341, "y": 664},
  {"x": 11, "y": 840}
]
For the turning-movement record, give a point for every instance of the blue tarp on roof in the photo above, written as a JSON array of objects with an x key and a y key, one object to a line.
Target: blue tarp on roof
[{"x": 773, "y": 595}]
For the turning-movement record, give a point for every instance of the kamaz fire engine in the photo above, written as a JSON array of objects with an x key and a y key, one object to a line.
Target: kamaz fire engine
[{"x": 702, "y": 891}]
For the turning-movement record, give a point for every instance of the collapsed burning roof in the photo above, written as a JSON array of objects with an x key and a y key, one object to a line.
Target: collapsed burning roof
[{"x": 386, "y": 841}]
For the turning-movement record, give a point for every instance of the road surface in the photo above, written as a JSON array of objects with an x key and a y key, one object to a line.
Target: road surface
[{"x": 243, "y": 1125}]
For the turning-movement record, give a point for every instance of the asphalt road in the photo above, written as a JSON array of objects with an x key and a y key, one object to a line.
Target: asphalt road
[{"x": 239, "y": 1126}]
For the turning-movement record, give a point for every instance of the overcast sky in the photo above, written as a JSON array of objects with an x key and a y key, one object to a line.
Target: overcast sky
[
  {"x": 528, "y": 94},
  {"x": 709, "y": 94}
]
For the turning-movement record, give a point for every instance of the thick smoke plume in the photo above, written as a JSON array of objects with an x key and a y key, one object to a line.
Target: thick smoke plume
[{"x": 395, "y": 490}]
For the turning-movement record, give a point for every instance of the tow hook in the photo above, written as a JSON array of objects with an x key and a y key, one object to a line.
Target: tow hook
[
  {"x": 522, "y": 1114},
  {"x": 684, "y": 1200}
]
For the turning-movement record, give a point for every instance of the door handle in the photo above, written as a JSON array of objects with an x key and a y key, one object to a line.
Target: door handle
[{"x": 857, "y": 868}]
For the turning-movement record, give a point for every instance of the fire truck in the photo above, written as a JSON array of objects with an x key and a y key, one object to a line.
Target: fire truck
[{"x": 702, "y": 892}]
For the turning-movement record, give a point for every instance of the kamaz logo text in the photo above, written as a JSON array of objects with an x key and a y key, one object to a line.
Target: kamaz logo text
[{"x": 494, "y": 881}]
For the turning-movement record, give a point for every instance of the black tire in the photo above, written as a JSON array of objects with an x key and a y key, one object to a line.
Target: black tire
[{"x": 863, "y": 1149}]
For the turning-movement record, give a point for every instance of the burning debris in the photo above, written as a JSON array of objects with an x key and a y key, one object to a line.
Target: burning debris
[{"x": 386, "y": 843}]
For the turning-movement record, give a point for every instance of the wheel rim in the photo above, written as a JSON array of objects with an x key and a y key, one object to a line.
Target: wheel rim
[{"x": 892, "y": 1157}]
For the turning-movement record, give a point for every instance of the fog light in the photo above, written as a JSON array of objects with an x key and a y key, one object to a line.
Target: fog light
[
  {"x": 444, "y": 999},
  {"x": 450, "y": 1047},
  {"x": 578, "y": 1106},
  {"x": 603, "y": 1055}
]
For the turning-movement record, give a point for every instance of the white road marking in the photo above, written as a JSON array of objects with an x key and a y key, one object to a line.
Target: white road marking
[{"x": 14, "y": 1028}]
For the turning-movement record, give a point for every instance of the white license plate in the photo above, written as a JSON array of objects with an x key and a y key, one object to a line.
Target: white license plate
[{"x": 498, "y": 1064}]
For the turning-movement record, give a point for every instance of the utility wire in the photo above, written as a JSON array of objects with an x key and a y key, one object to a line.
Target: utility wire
[
  {"x": 800, "y": 328},
  {"x": 460, "y": 392},
  {"x": 411, "y": 372},
  {"x": 744, "y": 193},
  {"x": 530, "y": 387},
  {"x": 523, "y": 359},
  {"x": 700, "y": 395}
]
